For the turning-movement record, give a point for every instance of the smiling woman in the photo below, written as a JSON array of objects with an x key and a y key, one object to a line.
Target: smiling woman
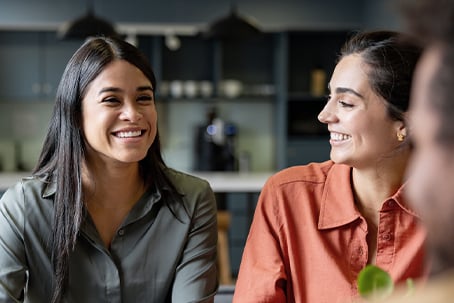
[
  {"x": 103, "y": 219},
  {"x": 327, "y": 221},
  {"x": 119, "y": 117}
]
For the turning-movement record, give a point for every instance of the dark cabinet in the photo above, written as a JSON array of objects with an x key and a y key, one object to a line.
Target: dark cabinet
[
  {"x": 32, "y": 64},
  {"x": 306, "y": 55},
  {"x": 248, "y": 63},
  {"x": 308, "y": 51}
]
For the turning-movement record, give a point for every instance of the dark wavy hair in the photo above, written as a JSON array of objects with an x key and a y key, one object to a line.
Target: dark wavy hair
[
  {"x": 64, "y": 146},
  {"x": 391, "y": 58}
]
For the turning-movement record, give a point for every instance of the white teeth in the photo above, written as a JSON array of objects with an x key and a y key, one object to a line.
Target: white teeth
[
  {"x": 129, "y": 134},
  {"x": 339, "y": 137}
]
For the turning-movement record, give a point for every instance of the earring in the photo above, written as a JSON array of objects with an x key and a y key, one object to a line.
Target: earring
[{"x": 400, "y": 137}]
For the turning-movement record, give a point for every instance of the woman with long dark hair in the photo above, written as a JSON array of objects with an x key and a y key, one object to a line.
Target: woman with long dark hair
[{"x": 103, "y": 219}]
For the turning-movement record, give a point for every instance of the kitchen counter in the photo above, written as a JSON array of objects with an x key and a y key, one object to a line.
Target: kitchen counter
[{"x": 226, "y": 182}]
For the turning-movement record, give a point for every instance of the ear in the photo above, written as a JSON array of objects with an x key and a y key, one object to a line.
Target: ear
[
  {"x": 403, "y": 130},
  {"x": 402, "y": 126}
]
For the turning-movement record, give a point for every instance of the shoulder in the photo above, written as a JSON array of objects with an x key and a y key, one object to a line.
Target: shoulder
[
  {"x": 28, "y": 199},
  {"x": 197, "y": 196},
  {"x": 316, "y": 173},
  {"x": 32, "y": 186},
  {"x": 186, "y": 183}
]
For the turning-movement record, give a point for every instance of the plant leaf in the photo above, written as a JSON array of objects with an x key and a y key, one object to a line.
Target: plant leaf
[{"x": 374, "y": 283}]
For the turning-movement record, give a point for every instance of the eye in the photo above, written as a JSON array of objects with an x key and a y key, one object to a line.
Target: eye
[
  {"x": 345, "y": 104},
  {"x": 145, "y": 98},
  {"x": 110, "y": 99}
]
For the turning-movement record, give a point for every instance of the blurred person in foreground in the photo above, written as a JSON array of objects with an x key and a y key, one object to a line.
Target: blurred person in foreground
[
  {"x": 431, "y": 185},
  {"x": 103, "y": 219},
  {"x": 317, "y": 226}
]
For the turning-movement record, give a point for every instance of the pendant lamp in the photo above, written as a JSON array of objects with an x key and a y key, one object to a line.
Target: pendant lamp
[
  {"x": 87, "y": 26},
  {"x": 233, "y": 27}
]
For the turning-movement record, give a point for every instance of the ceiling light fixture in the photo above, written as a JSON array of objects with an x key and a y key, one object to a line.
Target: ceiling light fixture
[
  {"x": 87, "y": 26},
  {"x": 233, "y": 27}
]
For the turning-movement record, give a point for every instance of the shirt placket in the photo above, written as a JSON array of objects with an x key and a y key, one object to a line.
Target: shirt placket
[
  {"x": 386, "y": 236},
  {"x": 358, "y": 252},
  {"x": 113, "y": 292}
]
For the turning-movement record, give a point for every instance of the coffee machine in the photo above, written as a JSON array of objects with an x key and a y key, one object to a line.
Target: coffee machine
[{"x": 215, "y": 144}]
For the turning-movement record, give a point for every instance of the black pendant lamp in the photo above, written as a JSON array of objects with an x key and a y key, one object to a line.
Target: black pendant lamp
[
  {"x": 233, "y": 27},
  {"x": 87, "y": 26}
]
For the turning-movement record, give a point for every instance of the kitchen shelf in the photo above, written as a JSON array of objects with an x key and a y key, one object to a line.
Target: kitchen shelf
[
  {"x": 243, "y": 99},
  {"x": 32, "y": 63}
]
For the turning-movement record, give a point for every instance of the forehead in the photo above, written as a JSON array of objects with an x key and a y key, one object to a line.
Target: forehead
[{"x": 351, "y": 72}]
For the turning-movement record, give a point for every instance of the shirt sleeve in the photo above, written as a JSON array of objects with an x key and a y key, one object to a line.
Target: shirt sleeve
[
  {"x": 262, "y": 277},
  {"x": 12, "y": 252},
  {"x": 196, "y": 275}
]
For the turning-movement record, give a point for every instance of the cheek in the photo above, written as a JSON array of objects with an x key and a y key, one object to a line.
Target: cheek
[{"x": 152, "y": 118}]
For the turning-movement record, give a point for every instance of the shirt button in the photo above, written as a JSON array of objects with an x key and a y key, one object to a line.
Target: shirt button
[
  {"x": 386, "y": 237},
  {"x": 121, "y": 232}
]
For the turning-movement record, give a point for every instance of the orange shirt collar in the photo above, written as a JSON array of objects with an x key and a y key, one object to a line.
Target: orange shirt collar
[{"x": 337, "y": 206}]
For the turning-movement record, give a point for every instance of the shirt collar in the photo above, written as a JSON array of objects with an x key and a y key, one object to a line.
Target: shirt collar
[
  {"x": 400, "y": 200},
  {"x": 337, "y": 207}
]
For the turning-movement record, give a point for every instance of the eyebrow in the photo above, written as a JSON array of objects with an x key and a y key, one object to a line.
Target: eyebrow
[
  {"x": 116, "y": 89},
  {"x": 342, "y": 90}
]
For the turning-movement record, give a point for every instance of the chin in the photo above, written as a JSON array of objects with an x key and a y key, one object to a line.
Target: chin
[
  {"x": 132, "y": 158},
  {"x": 339, "y": 160}
]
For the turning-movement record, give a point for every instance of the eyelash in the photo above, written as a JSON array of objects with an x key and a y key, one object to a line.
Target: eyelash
[
  {"x": 341, "y": 102},
  {"x": 344, "y": 104},
  {"x": 143, "y": 98}
]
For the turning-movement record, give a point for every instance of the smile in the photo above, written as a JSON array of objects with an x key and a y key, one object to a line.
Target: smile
[
  {"x": 129, "y": 134},
  {"x": 339, "y": 137}
]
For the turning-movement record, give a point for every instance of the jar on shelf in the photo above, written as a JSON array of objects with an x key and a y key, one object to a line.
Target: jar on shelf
[{"x": 318, "y": 82}]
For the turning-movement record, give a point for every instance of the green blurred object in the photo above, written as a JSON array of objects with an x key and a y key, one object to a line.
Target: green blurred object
[{"x": 374, "y": 284}]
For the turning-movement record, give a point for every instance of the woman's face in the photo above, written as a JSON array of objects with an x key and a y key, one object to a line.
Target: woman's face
[
  {"x": 361, "y": 131},
  {"x": 119, "y": 116},
  {"x": 430, "y": 186}
]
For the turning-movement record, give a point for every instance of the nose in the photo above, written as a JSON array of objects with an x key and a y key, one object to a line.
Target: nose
[
  {"x": 327, "y": 114},
  {"x": 131, "y": 112}
]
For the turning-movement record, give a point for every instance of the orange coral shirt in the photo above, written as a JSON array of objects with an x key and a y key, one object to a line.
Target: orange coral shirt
[{"x": 307, "y": 241}]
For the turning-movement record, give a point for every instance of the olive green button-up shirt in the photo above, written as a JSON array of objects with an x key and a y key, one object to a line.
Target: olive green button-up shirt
[{"x": 163, "y": 252}]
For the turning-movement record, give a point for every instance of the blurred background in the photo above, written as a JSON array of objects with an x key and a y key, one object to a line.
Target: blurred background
[{"x": 240, "y": 83}]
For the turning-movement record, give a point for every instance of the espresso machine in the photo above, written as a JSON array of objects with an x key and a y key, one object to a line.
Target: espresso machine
[{"x": 215, "y": 144}]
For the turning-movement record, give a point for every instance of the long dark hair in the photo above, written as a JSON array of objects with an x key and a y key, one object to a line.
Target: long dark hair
[
  {"x": 392, "y": 59},
  {"x": 64, "y": 147}
]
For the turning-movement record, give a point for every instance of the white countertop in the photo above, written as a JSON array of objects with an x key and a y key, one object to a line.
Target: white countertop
[
  {"x": 235, "y": 181},
  {"x": 220, "y": 181}
]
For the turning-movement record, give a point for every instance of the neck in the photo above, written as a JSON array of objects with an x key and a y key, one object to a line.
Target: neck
[
  {"x": 112, "y": 187},
  {"x": 372, "y": 186}
]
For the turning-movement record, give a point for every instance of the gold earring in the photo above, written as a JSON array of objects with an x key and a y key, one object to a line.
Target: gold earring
[{"x": 400, "y": 137}]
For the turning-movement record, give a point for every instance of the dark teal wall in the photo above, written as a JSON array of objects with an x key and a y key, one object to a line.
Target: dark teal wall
[{"x": 271, "y": 14}]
